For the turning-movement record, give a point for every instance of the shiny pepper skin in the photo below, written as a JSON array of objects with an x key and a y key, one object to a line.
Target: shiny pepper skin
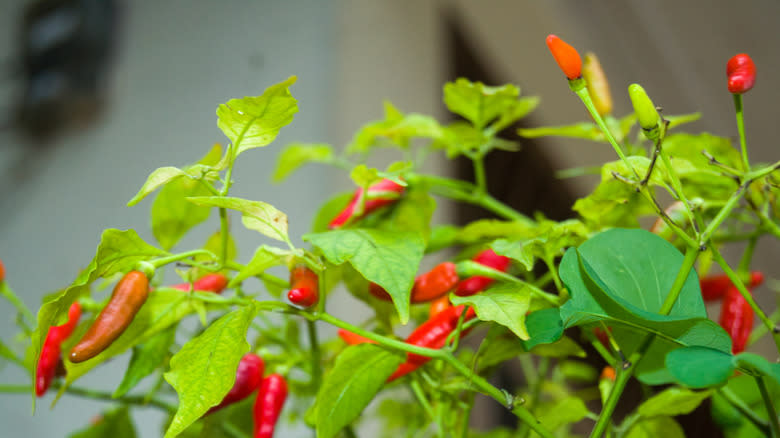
[
  {"x": 432, "y": 333},
  {"x": 715, "y": 287},
  {"x": 129, "y": 295},
  {"x": 304, "y": 287},
  {"x": 427, "y": 287},
  {"x": 741, "y": 72},
  {"x": 50, "y": 353},
  {"x": 478, "y": 283},
  {"x": 566, "y": 56},
  {"x": 354, "y": 338},
  {"x": 643, "y": 107},
  {"x": 209, "y": 283},
  {"x": 383, "y": 193},
  {"x": 736, "y": 317},
  {"x": 268, "y": 405},
  {"x": 439, "y": 305},
  {"x": 248, "y": 377}
]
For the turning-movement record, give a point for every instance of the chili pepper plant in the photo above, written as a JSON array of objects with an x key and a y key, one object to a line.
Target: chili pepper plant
[{"x": 578, "y": 307}]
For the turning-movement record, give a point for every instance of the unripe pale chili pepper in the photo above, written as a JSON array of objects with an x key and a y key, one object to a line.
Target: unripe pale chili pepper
[
  {"x": 715, "y": 287},
  {"x": 304, "y": 287},
  {"x": 50, "y": 353},
  {"x": 566, "y": 56},
  {"x": 478, "y": 283},
  {"x": 643, "y": 107},
  {"x": 126, "y": 300},
  {"x": 429, "y": 286},
  {"x": 432, "y": 333},
  {"x": 210, "y": 283},
  {"x": 741, "y": 72},
  {"x": 383, "y": 193},
  {"x": 598, "y": 86},
  {"x": 248, "y": 377},
  {"x": 354, "y": 338},
  {"x": 268, "y": 405},
  {"x": 736, "y": 317}
]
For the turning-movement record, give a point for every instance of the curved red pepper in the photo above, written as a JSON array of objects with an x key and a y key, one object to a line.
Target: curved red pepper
[
  {"x": 432, "y": 334},
  {"x": 566, "y": 56},
  {"x": 714, "y": 287},
  {"x": 50, "y": 353},
  {"x": 478, "y": 283},
  {"x": 354, "y": 338},
  {"x": 736, "y": 317},
  {"x": 210, "y": 283},
  {"x": 382, "y": 193},
  {"x": 248, "y": 377},
  {"x": 270, "y": 399},
  {"x": 304, "y": 287},
  {"x": 741, "y": 72},
  {"x": 427, "y": 287}
]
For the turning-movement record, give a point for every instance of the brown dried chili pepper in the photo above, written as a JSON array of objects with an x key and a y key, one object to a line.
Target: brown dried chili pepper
[
  {"x": 248, "y": 377},
  {"x": 304, "y": 287},
  {"x": 383, "y": 193},
  {"x": 268, "y": 405},
  {"x": 49, "y": 360},
  {"x": 209, "y": 283},
  {"x": 129, "y": 295},
  {"x": 427, "y": 287}
]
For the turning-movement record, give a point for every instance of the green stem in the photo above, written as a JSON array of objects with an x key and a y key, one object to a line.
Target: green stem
[
  {"x": 479, "y": 174},
  {"x": 554, "y": 271},
  {"x": 723, "y": 213},
  {"x": 469, "y": 268},
  {"x": 741, "y": 129},
  {"x": 677, "y": 186},
  {"x": 745, "y": 410},
  {"x": 6, "y": 292},
  {"x": 420, "y": 395},
  {"x": 761, "y": 330},
  {"x": 162, "y": 261},
  {"x": 107, "y": 396},
  {"x": 15, "y": 389},
  {"x": 770, "y": 408},
  {"x": 736, "y": 281},
  {"x": 536, "y": 388},
  {"x": 224, "y": 236},
  {"x": 747, "y": 256},
  {"x": 316, "y": 356}
]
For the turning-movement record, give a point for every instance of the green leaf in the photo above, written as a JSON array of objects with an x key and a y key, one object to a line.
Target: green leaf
[
  {"x": 116, "y": 424},
  {"x": 8, "y": 354},
  {"x": 8, "y": 294},
  {"x": 264, "y": 258},
  {"x": 700, "y": 367},
  {"x": 566, "y": 411},
  {"x": 146, "y": 358},
  {"x": 396, "y": 130},
  {"x": 544, "y": 327},
  {"x": 214, "y": 244},
  {"x": 412, "y": 213},
  {"x": 480, "y": 104},
  {"x": 204, "y": 370},
  {"x": 550, "y": 241},
  {"x": 359, "y": 373},
  {"x": 563, "y": 347},
  {"x": 583, "y": 130},
  {"x": 156, "y": 179},
  {"x": 172, "y": 215},
  {"x": 389, "y": 259},
  {"x": 577, "y": 371},
  {"x": 252, "y": 122},
  {"x": 622, "y": 276},
  {"x": 672, "y": 402},
  {"x": 489, "y": 229},
  {"x": 297, "y": 154},
  {"x": 656, "y": 427},
  {"x": 755, "y": 365},
  {"x": 329, "y": 210},
  {"x": 258, "y": 216},
  {"x": 505, "y": 304}
]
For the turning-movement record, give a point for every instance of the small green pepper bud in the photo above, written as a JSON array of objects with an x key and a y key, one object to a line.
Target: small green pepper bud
[{"x": 643, "y": 107}]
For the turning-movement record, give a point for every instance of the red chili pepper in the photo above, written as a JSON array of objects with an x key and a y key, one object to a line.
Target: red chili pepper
[
  {"x": 210, "y": 283},
  {"x": 50, "y": 353},
  {"x": 602, "y": 335},
  {"x": 736, "y": 317},
  {"x": 304, "y": 286},
  {"x": 382, "y": 193},
  {"x": 566, "y": 56},
  {"x": 354, "y": 338},
  {"x": 432, "y": 334},
  {"x": 478, "y": 283},
  {"x": 2, "y": 271},
  {"x": 714, "y": 287},
  {"x": 129, "y": 295},
  {"x": 439, "y": 305},
  {"x": 741, "y": 72},
  {"x": 270, "y": 398},
  {"x": 429, "y": 286},
  {"x": 608, "y": 373},
  {"x": 248, "y": 377}
]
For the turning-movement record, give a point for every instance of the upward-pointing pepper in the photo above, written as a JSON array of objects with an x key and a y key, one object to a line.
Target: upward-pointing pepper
[
  {"x": 741, "y": 72},
  {"x": 643, "y": 107},
  {"x": 566, "y": 56}
]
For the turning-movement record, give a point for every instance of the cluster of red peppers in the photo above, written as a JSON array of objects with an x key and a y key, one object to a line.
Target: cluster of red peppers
[{"x": 736, "y": 315}]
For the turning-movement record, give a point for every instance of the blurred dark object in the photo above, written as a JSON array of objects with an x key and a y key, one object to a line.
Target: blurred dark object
[{"x": 65, "y": 48}]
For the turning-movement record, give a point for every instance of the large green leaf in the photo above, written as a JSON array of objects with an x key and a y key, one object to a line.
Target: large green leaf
[
  {"x": 146, "y": 358},
  {"x": 700, "y": 367},
  {"x": 413, "y": 212},
  {"x": 396, "y": 130},
  {"x": 480, "y": 104},
  {"x": 544, "y": 327},
  {"x": 253, "y": 122},
  {"x": 359, "y": 373},
  {"x": 505, "y": 304},
  {"x": 204, "y": 370},
  {"x": 389, "y": 259},
  {"x": 116, "y": 424},
  {"x": 672, "y": 402},
  {"x": 256, "y": 215},
  {"x": 264, "y": 258},
  {"x": 568, "y": 410},
  {"x": 296, "y": 155},
  {"x": 622, "y": 276},
  {"x": 172, "y": 215}
]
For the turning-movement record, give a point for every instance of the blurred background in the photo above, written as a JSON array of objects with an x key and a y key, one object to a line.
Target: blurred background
[{"x": 95, "y": 94}]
